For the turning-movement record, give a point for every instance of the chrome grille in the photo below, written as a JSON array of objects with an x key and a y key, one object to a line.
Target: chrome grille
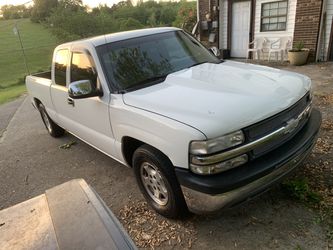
[{"x": 275, "y": 122}]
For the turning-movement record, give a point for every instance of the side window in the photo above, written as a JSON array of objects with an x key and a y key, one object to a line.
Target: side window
[
  {"x": 82, "y": 68},
  {"x": 60, "y": 67}
]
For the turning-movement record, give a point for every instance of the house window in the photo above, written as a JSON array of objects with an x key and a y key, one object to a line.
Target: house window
[{"x": 274, "y": 16}]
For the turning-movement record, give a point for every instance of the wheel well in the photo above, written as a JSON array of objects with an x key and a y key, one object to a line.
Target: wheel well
[
  {"x": 37, "y": 102},
  {"x": 129, "y": 145}
]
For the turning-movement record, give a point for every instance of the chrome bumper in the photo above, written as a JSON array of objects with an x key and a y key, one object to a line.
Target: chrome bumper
[
  {"x": 201, "y": 203},
  {"x": 206, "y": 194}
]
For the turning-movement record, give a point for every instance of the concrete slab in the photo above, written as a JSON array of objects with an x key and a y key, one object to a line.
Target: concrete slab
[
  {"x": 68, "y": 216},
  {"x": 7, "y": 111},
  {"x": 27, "y": 225}
]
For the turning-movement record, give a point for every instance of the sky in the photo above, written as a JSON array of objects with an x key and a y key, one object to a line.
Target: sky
[{"x": 91, "y": 3}]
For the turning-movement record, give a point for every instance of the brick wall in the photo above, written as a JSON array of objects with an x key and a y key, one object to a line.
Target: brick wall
[
  {"x": 307, "y": 24},
  {"x": 203, "y": 10}
]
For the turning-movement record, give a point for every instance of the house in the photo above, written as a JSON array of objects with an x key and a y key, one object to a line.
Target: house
[{"x": 232, "y": 24}]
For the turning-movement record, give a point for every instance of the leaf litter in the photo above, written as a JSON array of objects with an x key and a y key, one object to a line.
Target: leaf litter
[{"x": 150, "y": 230}]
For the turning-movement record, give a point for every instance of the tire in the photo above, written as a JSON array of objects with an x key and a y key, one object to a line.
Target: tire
[
  {"x": 51, "y": 127},
  {"x": 158, "y": 182}
]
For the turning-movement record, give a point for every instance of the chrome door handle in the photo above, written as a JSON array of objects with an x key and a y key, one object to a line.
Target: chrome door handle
[{"x": 70, "y": 101}]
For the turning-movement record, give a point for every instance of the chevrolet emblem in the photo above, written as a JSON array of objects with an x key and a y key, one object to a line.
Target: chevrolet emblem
[{"x": 292, "y": 125}]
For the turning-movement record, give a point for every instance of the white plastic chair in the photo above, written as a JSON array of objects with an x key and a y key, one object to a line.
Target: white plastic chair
[
  {"x": 280, "y": 46},
  {"x": 258, "y": 46}
]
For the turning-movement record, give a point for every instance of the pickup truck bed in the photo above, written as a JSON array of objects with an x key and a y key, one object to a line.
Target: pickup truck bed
[{"x": 46, "y": 74}]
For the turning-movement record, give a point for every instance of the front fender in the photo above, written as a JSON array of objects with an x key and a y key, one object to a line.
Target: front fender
[{"x": 169, "y": 136}]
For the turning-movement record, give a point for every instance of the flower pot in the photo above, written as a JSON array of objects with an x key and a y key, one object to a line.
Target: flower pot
[{"x": 298, "y": 57}]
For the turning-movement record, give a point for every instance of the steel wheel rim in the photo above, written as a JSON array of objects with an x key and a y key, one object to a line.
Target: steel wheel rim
[
  {"x": 154, "y": 184},
  {"x": 46, "y": 121}
]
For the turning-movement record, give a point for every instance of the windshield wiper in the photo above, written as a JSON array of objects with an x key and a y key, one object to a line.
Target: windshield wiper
[
  {"x": 195, "y": 64},
  {"x": 147, "y": 82},
  {"x": 153, "y": 79}
]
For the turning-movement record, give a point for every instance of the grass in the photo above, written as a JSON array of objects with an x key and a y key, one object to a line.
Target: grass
[
  {"x": 300, "y": 190},
  {"x": 11, "y": 93},
  {"x": 38, "y": 43}
]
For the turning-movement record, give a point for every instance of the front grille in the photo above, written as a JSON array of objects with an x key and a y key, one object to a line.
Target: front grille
[{"x": 273, "y": 123}]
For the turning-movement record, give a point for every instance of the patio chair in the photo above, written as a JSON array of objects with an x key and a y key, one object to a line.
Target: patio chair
[
  {"x": 258, "y": 46},
  {"x": 280, "y": 46}
]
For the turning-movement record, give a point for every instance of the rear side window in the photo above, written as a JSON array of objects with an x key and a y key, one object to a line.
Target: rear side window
[
  {"x": 60, "y": 67},
  {"x": 82, "y": 68}
]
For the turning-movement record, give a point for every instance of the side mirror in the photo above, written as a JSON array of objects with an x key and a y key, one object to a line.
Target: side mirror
[
  {"x": 215, "y": 51},
  {"x": 83, "y": 89}
]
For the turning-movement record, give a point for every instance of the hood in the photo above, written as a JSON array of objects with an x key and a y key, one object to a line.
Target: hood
[{"x": 221, "y": 98}]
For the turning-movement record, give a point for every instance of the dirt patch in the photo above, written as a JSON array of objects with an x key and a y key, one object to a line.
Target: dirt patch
[
  {"x": 323, "y": 145},
  {"x": 148, "y": 229},
  {"x": 327, "y": 124},
  {"x": 324, "y": 100}
]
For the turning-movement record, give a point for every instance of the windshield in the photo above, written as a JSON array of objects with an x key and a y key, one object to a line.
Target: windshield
[{"x": 142, "y": 61}]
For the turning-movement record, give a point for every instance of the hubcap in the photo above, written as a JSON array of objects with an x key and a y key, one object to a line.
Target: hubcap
[
  {"x": 46, "y": 121},
  {"x": 154, "y": 184}
]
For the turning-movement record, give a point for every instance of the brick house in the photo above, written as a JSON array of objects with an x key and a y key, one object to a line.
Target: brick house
[{"x": 232, "y": 24}]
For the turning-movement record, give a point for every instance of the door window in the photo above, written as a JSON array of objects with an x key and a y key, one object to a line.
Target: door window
[
  {"x": 82, "y": 68},
  {"x": 60, "y": 67}
]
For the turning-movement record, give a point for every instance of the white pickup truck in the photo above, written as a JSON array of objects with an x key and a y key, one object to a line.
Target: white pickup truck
[{"x": 200, "y": 133}]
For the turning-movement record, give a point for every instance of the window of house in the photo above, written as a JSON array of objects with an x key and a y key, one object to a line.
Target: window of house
[
  {"x": 274, "y": 16},
  {"x": 60, "y": 66},
  {"x": 82, "y": 68}
]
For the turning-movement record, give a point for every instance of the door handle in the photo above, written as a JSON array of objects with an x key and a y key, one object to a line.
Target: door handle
[{"x": 70, "y": 101}]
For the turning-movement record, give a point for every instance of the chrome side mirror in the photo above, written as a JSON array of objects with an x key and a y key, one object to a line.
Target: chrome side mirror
[
  {"x": 215, "y": 51},
  {"x": 83, "y": 89}
]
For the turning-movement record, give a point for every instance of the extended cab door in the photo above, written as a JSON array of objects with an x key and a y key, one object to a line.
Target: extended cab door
[{"x": 87, "y": 118}]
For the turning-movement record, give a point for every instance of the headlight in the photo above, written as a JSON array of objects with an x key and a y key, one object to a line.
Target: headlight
[
  {"x": 217, "y": 144},
  {"x": 219, "y": 167}
]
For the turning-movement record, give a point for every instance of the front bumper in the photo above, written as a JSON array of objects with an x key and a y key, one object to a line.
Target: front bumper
[{"x": 205, "y": 194}]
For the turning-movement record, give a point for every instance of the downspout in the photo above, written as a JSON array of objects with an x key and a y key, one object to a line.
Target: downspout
[
  {"x": 198, "y": 20},
  {"x": 321, "y": 34},
  {"x": 218, "y": 23}
]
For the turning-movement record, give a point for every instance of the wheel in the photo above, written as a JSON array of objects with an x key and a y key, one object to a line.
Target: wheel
[
  {"x": 158, "y": 182},
  {"x": 53, "y": 129}
]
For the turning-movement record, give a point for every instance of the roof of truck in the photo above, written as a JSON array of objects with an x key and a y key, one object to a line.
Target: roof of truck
[{"x": 114, "y": 37}]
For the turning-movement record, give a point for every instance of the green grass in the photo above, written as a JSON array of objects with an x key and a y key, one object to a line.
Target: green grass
[
  {"x": 38, "y": 43},
  {"x": 300, "y": 190},
  {"x": 11, "y": 93}
]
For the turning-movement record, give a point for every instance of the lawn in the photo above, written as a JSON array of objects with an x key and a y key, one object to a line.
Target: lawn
[{"x": 38, "y": 44}]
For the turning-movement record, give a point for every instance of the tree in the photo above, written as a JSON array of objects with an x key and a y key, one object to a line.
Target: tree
[
  {"x": 72, "y": 5},
  {"x": 130, "y": 24},
  {"x": 42, "y": 9},
  {"x": 168, "y": 15},
  {"x": 15, "y": 11},
  {"x": 187, "y": 15}
]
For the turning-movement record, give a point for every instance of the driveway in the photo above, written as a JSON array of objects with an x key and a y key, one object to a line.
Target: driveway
[{"x": 31, "y": 161}]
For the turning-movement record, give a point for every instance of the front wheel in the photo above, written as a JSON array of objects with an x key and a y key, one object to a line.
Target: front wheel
[
  {"x": 157, "y": 180},
  {"x": 53, "y": 129}
]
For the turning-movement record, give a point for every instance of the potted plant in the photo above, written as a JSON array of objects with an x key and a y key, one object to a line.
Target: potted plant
[{"x": 298, "y": 55}]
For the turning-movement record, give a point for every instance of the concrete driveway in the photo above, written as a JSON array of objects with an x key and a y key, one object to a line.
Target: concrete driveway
[{"x": 31, "y": 161}]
